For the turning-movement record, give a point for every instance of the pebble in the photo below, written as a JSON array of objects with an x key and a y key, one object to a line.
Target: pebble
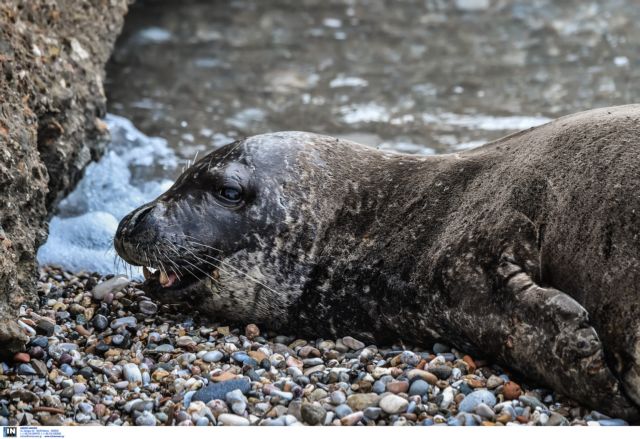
[
  {"x": 352, "y": 343},
  {"x": 471, "y": 401},
  {"x": 147, "y": 307},
  {"x": 213, "y": 356},
  {"x": 233, "y": 420},
  {"x": 419, "y": 388},
  {"x": 112, "y": 285},
  {"x": 360, "y": 401},
  {"x": 313, "y": 414},
  {"x": 132, "y": 373},
  {"x": 220, "y": 390},
  {"x": 146, "y": 419},
  {"x": 393, "y": 404}
]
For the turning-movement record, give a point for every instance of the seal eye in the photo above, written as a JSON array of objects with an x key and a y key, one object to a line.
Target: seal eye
[{"x": 231, "y": 194}]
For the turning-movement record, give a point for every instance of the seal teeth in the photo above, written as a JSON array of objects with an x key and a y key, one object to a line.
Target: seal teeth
[
  {"x": 164, "y": 279},
  {"x": 215, "y": 274},
  {"x": 146, "y": 273}
]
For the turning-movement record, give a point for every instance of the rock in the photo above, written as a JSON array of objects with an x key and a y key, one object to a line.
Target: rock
[
  {"x": 132, "y": 373},
  {"x": 343, "y": 410},
  {"x": 472, "y": 5},
  {"x": 494, "y": 381},
  {"x": 511, "y": 390},
  {"x": 237, "y": 401},
  {"x": 220, "y": 390},
  {"x": 100, "y": 322},
  {"x": 393, "y": 404},
  {"x": 423, "y": 375},
  {"x": 127, "y": 322},
  {"x": 360, "y": 401},
  {"x": 146, "y": 419},
  {"x": 251, "y": 331},
  {"x": 352, "y": 343},
  {"x": 351, "y": 419},
  {"x": 313, "y": 414},
  {"x": 147, "y": 307},
  {"x": 337, "y": 397},
  {"x": 398, "y": 386},
  {"x": 472, "y": 400},
  {"x": 531, "y": 401},
  {"x": 612, "y": 422},
  {"x": 372, "y": 412},
  {"x": 113, "y": 285},
  {"x": 439, "y": 348},
  {"x": 419, "y": 387},
  {"x": 485, "y": 411},
  {"x": 212, "y": 356},
  {"x": 232, "y": 420},
  {"x": 26, "y": 369},
  {"x": 45, "y": 143}
]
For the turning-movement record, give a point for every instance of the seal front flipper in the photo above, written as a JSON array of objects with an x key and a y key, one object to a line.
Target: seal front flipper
[{"x": 550, "y": 338}]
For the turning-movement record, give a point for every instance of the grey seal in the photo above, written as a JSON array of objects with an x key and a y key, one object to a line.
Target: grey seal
[{"x": 525, "y": 251}]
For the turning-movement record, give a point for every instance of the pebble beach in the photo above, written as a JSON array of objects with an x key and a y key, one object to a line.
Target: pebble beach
[{"x": 103, "y": 353}]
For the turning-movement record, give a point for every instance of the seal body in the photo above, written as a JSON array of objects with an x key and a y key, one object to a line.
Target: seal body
[{"x": 525, "y": 251}]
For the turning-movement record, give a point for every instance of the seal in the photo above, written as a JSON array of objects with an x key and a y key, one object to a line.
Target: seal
[{"x": 525, "y": 251}]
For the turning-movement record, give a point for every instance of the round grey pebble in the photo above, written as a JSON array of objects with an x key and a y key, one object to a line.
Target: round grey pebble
[
  {"x": 343, "y": 410},
  {"x": 419, "y": 388},
  {"x": 212, "y": 356},
  {"x": 148, "y": 307},
  {"x": 146, "y": 419}
]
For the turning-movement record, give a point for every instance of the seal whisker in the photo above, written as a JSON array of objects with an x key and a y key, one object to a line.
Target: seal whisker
[{"x": 246, "y": 275}]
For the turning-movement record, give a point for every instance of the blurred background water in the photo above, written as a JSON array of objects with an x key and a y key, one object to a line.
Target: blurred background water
[{"x": 416, "y": 76}]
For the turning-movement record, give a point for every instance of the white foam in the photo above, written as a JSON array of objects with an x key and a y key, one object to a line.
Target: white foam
[{"x": 133, "y": 171}]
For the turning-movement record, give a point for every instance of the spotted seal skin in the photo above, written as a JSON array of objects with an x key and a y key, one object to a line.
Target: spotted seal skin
[{"x": 525, "y": 251}]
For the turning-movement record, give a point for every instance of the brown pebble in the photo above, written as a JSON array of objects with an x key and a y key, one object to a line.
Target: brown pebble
[
  {"x": 522, "y": 419},
  {"x": 100, "y": 410},
  {"x": 82, "y": 331},
  {"x": 21, "y": 357},
  {"x": 224, "y": 376},
  {"x": 472, "y": 364},
  {"x": 398, "y": 387},
  {"x": 251, "y": 331},
  {"x": 511, "y": 390}
]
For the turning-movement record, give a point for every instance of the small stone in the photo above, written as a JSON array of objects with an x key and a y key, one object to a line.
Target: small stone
[
  {"x": 360, "y": 401},
  {"x": 26, "y": 369},
  {"x": 147, "y": 307},
  {"x": 352, "y": 343},
  {"x": 423, "y": 375},
  {"x": 337, "y": 398},
  {"x": 21, "y": 357},
  {"x": 393, "y": 404},
  {"x": 251, "y": 331},
  {"x": 220, "y": 390},
  {"x": 511, "y": 390},
  {"x": 352, "y": 418},
  {"x": 372, "y": 412},
  {"x": 313, "y": 414},
  {"x": 398, "y": 386},
  {"x": 441, "y": 371},
  {"x": 127, "y": 322},
  {"x": 232, "y": 420},
  {"x": 100, "y": 322},
  {"x": 531, "y": 401},
  {"x": 112, "y": 285},
  {"x": 132, "y": 373},
  {"x": 472, "y": 400},
  {"x": 494, "y": 381},
  {"x": 146, "y": 419},
  {"x": 485, "y": 411},
  {"x": 343, "y": 410},
  {"x": 212, "y": 356},
  {"x": 419, "y": 388},
  {"x": 439, "y": 348}
]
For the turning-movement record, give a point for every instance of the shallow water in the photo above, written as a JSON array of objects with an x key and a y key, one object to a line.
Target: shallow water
[
  {"x": 427, "y": 76},
  {"x": 413, "y": 75}
]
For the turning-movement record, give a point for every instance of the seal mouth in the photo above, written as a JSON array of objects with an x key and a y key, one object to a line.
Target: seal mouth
[{"x": 169, "y": 280}]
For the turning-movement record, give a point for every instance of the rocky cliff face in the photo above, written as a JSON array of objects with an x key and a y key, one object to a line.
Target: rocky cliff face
[{"x": 52, "y": 54}]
